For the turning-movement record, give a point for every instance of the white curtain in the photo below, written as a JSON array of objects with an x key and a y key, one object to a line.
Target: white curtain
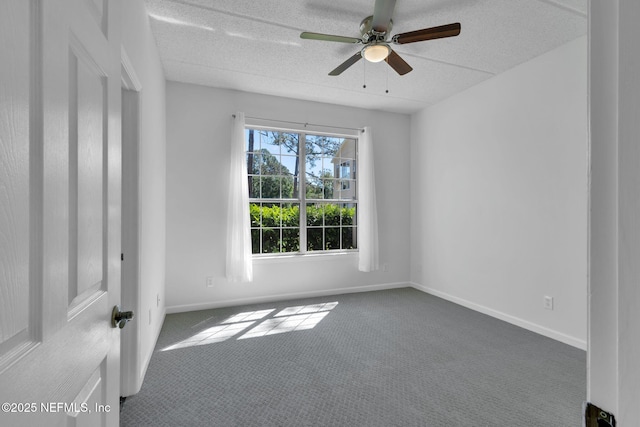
[
  {"x": 239, "y": 263},
  {"x": 367, "y": 212}
]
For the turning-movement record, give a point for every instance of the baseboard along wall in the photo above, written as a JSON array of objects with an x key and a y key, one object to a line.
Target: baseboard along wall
[
  {"x": 283, "y": 297},
  {"x": 525, "y": 324},
  {"x": 533, "y": 327}
]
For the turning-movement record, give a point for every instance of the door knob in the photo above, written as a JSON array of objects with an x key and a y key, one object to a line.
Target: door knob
[{"x": 120, "y": 318}]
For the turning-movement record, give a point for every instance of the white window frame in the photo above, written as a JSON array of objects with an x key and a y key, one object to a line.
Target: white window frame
[{"x": 302, "y": 196}]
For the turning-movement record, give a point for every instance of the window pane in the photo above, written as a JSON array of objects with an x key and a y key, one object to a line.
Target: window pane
[
  {"x": 257, "y": 163},
  {"x": 348, "y": 214},
  {"x": 255, "y": 240},
  {"x": 290, "y": 240},
  {"x": 289, "y": 165},
  {"x": 314, "y": 239},
  {"x": 270, "y": 240},
  {"x": 271, "y": 215},
  {"x": 328, "y": 168},
  {"x": 349, "y": 238},
  {"x": 269, "y": 142},
  {"x": 317, "y": 166},
  {"x": 331, "y": 146},
  {"x": 328, "y": 186},
  {"x": 313, "y": 188},
  {"x": 288, "y": 142},
  {"x": 250, "y": 140},
  {"x": 313, "y": 146},
  {"x": 314, "y": 169},
  {"x": 315, "y": 213},
  {"x": 253, "y": 163},
  {"x": 269, "y": 164},
  {"x": 331, "y": 214},
  {"x": 254, "y": 214},
  {"x": 254, "y": 186},
  {"x": 346, "y": 190},
  {"x": 345, "y": 168},
  {"x": 290, "y": 215},
  {"x": 289, "y": 185},
  {"x": 270, "y": 187},
  {"x": 332, "y": 238},
  {"x": 348, "y": 148}
]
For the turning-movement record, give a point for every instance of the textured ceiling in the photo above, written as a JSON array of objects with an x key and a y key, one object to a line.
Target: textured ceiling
[{"x": 255, "y": 46}]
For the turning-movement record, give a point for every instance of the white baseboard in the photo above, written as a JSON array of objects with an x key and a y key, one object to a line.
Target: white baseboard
[
  {"x": 550, "y": 333},
  {"x": 283, "y": 297},
  {"x": 533, "y": 327}
]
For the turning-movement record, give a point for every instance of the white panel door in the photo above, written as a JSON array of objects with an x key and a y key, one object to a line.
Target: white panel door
[{"x": 59, "y": 212}]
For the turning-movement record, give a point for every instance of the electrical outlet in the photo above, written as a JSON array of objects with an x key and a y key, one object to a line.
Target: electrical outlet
[
  {"x": 209, "y": 281},
  {"x": 548, "y": 302}
]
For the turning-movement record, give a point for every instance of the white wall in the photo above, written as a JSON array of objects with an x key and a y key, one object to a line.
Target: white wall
[
  {"x": 198, "y": 132},
  {"x": 614, "y": 323},
  {"x": 499, "y": 195},
  {"x": 140, "y": 46}
]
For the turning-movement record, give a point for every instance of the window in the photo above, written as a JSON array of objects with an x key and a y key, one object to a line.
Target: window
[{"x": 294, "y": 215}]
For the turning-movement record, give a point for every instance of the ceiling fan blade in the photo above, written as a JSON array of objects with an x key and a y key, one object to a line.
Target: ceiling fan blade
[
  {"x": 346, "y": 64},
  {"x": 329, "y": 38},
  {"x": 398, "y": 63},
  {"x": 440, "y": 32},
  {"x": 382, "y": 12}
]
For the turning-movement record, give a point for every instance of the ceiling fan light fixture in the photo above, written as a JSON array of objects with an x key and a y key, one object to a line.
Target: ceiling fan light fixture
[{"x": 376, "y": 52}]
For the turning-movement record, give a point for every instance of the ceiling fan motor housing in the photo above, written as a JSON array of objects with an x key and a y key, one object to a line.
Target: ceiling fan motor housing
[{"x": 368, "y": 34}]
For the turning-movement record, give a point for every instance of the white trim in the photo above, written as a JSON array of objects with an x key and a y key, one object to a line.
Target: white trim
[
  {"x": 533, "y": 327},
  {"x": 302, "y": 200},
  {"x": 283, "y": 297},
  {"x": 128, "y": 76},
  {"x": 131, "y": 364},
  {"x": 290, "y": 257},
  {"x": 530, "y": 326}
]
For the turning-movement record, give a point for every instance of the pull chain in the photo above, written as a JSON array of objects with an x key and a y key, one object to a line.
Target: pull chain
[
  {"x": 387, "y": 83},
  {"x": 364, "y": 74}
]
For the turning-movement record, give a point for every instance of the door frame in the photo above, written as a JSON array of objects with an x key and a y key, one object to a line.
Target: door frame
[{"x": 130, "y": 378}]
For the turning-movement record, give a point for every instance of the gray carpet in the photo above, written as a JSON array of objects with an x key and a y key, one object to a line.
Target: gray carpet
[{"x": 389, "y": 358}]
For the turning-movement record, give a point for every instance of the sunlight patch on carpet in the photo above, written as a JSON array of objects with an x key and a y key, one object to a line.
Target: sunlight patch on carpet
[{"x": 290, "y": 319}]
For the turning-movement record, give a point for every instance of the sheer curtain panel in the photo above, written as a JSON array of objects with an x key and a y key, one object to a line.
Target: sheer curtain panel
[
  {"x": 239, "y": 263},
  {"x": 367, "y": 211}
]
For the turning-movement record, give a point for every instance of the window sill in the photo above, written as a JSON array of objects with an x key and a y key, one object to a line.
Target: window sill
[{"x": 288, "y": 258}]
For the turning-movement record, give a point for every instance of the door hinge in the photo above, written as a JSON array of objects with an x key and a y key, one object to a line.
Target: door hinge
[{"x": 121, "y": 257}]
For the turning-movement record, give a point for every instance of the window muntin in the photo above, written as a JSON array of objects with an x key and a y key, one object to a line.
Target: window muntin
[
  {"x": 331, "y": 226},
  {"x": 290, "y": 215}
]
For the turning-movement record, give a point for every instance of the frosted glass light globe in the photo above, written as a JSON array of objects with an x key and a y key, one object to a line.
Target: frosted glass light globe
[{"x": 376, "y": 52}]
